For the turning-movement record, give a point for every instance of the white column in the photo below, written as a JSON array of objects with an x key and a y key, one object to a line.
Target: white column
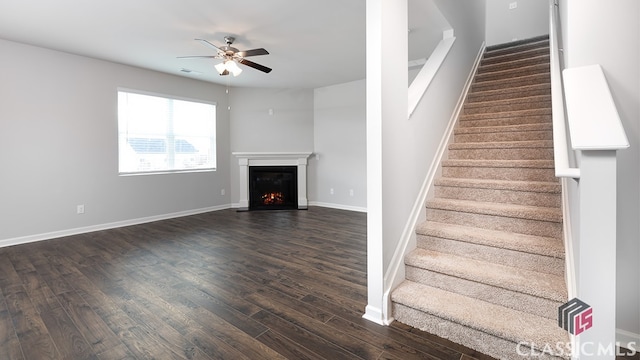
[
  {"x": 302, "y": 184},
  {"x": 597, "y": 253},
  {"x": 244, "y": 183},
  {"x": 387, "y": 88}
]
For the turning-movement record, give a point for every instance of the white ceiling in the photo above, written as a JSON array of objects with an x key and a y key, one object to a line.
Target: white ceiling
[{"x": 311, "y": 43}]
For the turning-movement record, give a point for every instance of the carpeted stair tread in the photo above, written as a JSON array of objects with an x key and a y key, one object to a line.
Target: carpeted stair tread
[
  {"x": 493, "y": 106},
  {"x": 504, "y": 210},
  {"x": 484, "y": 193},
  {"x": 546, "y": 164},
  {"x": 511, "y": 82},
  {"x": 501, "y": 322},
  {"x": 510, "y": 93},
  {"x": 497, "y": 58},
  {"x": 527, "y": 144},
  {"x": 503, "y": 128},
  {"x": 514, "y": 63},
  {"x": 524, "y": 132},
  {"x": 528, "y": 282},
  {"x": 535, "y": 255},
  {"x": 516, "y": 47},
  {"x": 533, "y": 244},
  {"x": 510, "y": 170},
  {"x": 521, "y": 115},
  {"x": 512, "y": 73},
  {"x": 504, "y": 121},
  {"x": 525, "y": 186}
]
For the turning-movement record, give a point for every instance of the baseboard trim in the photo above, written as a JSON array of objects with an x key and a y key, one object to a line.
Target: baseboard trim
[
  {"x": 628, "y": 340},
  {"x": 338, "y": 206},
  {"x": 87, "y": 229},
  {"x": 375, "y": 315}
]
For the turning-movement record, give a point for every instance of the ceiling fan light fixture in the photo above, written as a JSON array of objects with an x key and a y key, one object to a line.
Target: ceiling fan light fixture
[
  {"x": 220, "y": 68},
  {"x": 233, "y": 67}
]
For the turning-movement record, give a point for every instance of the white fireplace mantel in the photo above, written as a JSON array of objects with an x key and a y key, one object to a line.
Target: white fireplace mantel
[{"x": 247, "y": 159}]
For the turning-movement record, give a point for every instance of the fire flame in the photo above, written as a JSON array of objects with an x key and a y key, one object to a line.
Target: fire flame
[{"x": 273, "y": 198}]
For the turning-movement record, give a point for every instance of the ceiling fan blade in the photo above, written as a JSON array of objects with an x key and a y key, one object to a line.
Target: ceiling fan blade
[
  {"x": 254, "y": 65},
  {"x": 253, "y": 52},
  {"x": 207, "y": 43},
  {"x": 198, "y": 57}
]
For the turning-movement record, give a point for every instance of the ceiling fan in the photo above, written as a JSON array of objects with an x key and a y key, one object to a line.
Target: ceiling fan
[{"x": 231, "y": 57}]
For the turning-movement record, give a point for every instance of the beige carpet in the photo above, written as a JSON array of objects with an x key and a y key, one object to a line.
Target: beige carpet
[{"x": 488, "y": 272}]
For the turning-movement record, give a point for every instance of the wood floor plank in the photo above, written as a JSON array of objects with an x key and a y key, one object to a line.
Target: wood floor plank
[
  {"x": 337, "y": 337},
  {"x": 217, "y": 285},
  {"x": 315, "y": 343},
  {"x": 90, "y": 324},
  {"x": 287, "y": 347},
  {"x": 9, "y": 344},
  {"x": 30, "y": 329},
  {"x": 68, "y": 340}
]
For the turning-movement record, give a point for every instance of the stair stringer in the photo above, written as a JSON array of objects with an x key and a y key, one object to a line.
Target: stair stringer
[{"x": 396, "y": 271}]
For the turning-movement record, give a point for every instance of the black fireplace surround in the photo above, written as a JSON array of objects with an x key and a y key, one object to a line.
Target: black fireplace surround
[{"x": 273, "y": 187}]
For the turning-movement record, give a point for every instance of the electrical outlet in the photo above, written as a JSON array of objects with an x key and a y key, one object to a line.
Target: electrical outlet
[
  {"x": 331, "y": 191},
  {"x": 80, "y": 209},
  {"x": 513, "y": 5},
  {"x": 351, "y": 192},
  {"x": 222, "y": 192}
]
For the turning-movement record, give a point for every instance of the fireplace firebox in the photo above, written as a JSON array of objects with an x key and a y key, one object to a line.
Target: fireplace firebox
[{"x": 273, "y": 187}]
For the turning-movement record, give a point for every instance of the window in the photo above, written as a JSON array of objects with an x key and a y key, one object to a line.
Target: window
[{"x": 159, "y": 134}]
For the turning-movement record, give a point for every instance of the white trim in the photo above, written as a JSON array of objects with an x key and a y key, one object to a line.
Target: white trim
[
  {"x": 106, "y": 226},
  {"x": 569, "y": 257},
  {"x": 338, "y": 206},
  {"x": 375, "y": 315},
  {"x": 422, "y": 81},
  {"x": 395, "y": 273},
  {"x": 628, "y": 340},
  {"x": 594, "y": 122}
]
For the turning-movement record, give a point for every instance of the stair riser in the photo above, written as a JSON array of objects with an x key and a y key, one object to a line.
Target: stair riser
[
  {"x": 484, "y": 343},
  {"x": 493, "y": 59},
  {"x": 509, "y": 94},
  {"x": 518, "y": 259},
  {"x": 502, "y": 154},
  {"x": 499, "y": 196},
  {"x": 503, "y": 106},
  {"x": 501, "y": 84},
  {"x": 495, "y": 222},
  {"x": 515, "y": 73},
  {"x": 492, "y": 294},
  {"x": 545, "y": 112},
  {"x": 542, "y": 119},
  {"x": 512, "y": 174},
  {"x": 504, "y": 136},
  {"x": 513, "y": 64}
]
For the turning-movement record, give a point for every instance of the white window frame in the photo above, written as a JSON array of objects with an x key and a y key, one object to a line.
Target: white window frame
[{"x": 169, "y": 161}]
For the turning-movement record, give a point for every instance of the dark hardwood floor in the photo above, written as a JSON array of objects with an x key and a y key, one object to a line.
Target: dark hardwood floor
[{"x": 221, "y": 285}]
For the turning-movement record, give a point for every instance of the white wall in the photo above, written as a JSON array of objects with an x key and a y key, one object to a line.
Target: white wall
[
  {"x": 400, "y": 150},
  {"x": 595, "y": 32},
  {"x": 253, "y": 129},
  {"x": 529, "y": 19},
  {"x": 340, "y": 146},
  {"x": 59, "y": 146}
]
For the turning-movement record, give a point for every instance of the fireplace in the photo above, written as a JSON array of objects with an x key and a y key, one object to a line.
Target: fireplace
[
  {"x": 250, "y": 160},
  {"x": 273, "y": 187}
]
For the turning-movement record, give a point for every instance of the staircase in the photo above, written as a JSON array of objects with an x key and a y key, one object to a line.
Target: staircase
[{"x": 488, "y": 270}]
